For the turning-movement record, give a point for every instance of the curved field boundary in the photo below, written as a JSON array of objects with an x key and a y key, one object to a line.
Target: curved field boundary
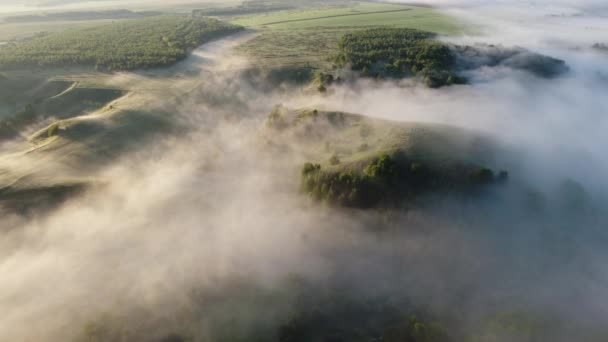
[{"x": 335, "y": 16}]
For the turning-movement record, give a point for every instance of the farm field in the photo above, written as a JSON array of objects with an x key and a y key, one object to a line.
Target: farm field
[
  {"x": 359, "y": 15},
  {"x": 18, "y": 31},
  {"x": 306, "y": 38}
]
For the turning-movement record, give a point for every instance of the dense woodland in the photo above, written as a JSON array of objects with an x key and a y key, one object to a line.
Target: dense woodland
[
  {"x": 388, "y": 52},
  {"x": 125, "y": 45},
  {"x": 393, "y": 180},
  {"x": 391, "y": 52}
]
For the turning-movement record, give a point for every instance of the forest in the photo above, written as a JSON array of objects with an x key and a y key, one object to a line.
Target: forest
[
  {"x": 398, "y": 53},
  {"x": 126, "y": 45},
  {"x": 393, "y": 181},
  {"x": 388, "y": 52}
]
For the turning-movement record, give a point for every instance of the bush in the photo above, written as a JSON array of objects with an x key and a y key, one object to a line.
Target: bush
[
  {"x": 483, "y": 176},
  {"x": 334, "y": 160},
  {"x": 389, "y": 52},
  {"x": 389, "y": 181}
]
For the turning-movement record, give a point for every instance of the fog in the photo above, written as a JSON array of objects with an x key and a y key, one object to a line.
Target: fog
[{"x": 205, "y": 233}]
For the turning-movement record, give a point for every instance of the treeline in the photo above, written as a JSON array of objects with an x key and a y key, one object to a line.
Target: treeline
[
  {"x": 80, "y": 15},
  {"x": 388, "y": 52},
  {"x": 392, "y": 181},
  {"x": 600, "y": 46},
  {"x": 127, "y": 45}
]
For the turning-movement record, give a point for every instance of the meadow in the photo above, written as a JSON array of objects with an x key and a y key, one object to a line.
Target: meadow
[{"x": 359, "y": 15}]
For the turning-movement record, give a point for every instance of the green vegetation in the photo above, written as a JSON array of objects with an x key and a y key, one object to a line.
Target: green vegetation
[
  {"x": 299, "y": 42},
  {"x": 359, "y": 15},
  {"x": 69, "y": 103},
  {"x": 390, "y": 180},
  {"x": 79, "y": 15},
  {"x": 24, "y": 31},
  {"x": 247, "y": 7},
  {"x": 125, "y": 45},
  {"x": 397, "y": 53},
  {"x": 361, "y": 162},
  {"x": 305, "y": 50}
]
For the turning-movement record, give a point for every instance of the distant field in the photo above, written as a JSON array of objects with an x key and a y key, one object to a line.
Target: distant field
[
  {"x": 306, "y": 38},
  {"x": 360, "y": 15},
  {"x": 11, "y": 31},
  {"x": 126, "y": 45}
]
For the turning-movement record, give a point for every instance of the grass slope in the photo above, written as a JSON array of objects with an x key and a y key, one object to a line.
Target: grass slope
[{"x": 357, "y": 161}]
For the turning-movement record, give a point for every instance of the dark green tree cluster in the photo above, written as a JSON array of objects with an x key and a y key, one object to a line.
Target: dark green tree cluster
[
  {"x": 127, "y": 45},
  {"x": 391, "y": 181},
  {"x": 390, "y": 52}
]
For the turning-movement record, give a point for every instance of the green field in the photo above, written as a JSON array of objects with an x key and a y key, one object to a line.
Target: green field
[
  {"x": 359, "y": 15},
  {"x": 307, "y": 38},
  {"x": 18, "y": 31}
]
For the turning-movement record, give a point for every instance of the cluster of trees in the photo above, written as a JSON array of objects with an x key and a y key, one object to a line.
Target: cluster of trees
[
  {"x": 126, "y": 45},
  {"x": 323, "y": 80},
  {"x": 391, "y": 180},
  {"x": 600, "y": 46},
  {"x": 390, "y": 52}
]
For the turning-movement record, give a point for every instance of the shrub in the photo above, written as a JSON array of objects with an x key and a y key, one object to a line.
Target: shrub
[
  {"x": 334, "y": 160},
  {"x": 53, "y": 130}
]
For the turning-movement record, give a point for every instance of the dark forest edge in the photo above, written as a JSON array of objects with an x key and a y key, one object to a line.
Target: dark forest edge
[{"x": 399, "y": 53}]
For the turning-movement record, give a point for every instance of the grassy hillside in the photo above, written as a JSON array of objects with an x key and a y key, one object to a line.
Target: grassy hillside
[
  {"x": 126, "y": 45},
  {"x": 361, "y": 162},
  {"x": 29, "y": 101}
]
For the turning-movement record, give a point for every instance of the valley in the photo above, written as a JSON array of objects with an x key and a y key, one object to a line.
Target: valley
[{"x": 298, "y": 171}]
